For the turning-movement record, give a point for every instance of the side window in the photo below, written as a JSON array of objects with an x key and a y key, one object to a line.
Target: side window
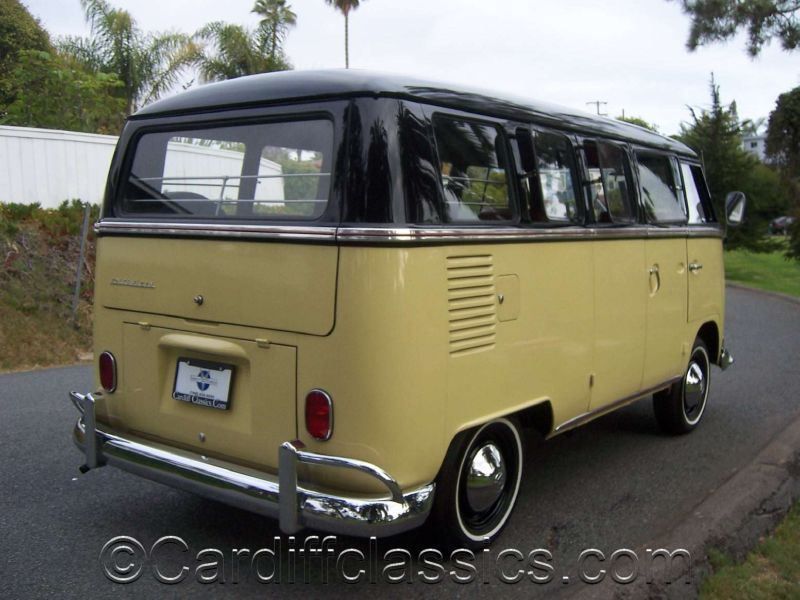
[
  {"x": 555, "y": 165},
  {"x": 697, "y": 196},
  {"x": 609, "y": 183},
  {"x": 662, "y": 203},
  {"x": 473, "y": 165}
]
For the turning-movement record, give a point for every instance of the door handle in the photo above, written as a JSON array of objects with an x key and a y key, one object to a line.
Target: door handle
[
  {"x": 655, "y": 280},
  {"x": 695, "y": 267}
]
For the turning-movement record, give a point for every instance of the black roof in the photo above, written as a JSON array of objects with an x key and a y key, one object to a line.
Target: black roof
[{"x": 287, "y": 86}]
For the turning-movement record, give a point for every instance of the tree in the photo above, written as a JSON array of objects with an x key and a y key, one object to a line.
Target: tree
[
  {"x": 345, "y": 7},
  {"x": 783, "y": 134},
  {"x": 720, "y": 20},
  {"x": 59, "y": 93},
  {"x": 715, "y": 134},
  {"x": 230, "y": 51},
  {"x": 19, "y": 32},
  {"x": 783, "y": 148},
  {"x": 278, "y": 18},
  {"x": 753, "y": 126},
  {"x": 638, "y": 121},
  {"x": 147, "y": 64}
]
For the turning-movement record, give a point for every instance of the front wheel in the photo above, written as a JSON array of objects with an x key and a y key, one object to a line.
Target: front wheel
[
  {"x": 479, "y": 482},
  {"x": 680, "y": 408}
]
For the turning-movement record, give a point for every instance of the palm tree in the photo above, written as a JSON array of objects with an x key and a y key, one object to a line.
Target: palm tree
[
  {"x": 345, "y": 6},
  {"x": 147, "y": 64},
  {"x": 277, "y": 19},
  {"x": 751, "y": 127},
  {"x": 231, "y": 51}
]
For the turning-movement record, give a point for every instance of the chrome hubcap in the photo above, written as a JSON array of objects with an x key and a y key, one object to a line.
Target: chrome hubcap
[
  {"x": 486, "y": 478},
  {"x": 694, "y": 388}
]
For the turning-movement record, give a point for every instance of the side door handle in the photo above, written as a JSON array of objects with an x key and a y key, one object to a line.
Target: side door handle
[
  {"x": 655, "y": 280},
  {"x": 695, "y": 267}
]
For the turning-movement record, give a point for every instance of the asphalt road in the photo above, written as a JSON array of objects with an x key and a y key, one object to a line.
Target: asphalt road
[{"x": 616, "y": 483}]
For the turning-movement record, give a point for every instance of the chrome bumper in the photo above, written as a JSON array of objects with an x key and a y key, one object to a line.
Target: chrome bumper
[
  {"x": 725, "y": 359},
  {"x": 280, "y": 496}
]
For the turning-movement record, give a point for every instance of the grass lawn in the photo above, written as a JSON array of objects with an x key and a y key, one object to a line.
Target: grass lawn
[
  {"x": 772, "y": 570},
  {"x": 770, "y": 271}
]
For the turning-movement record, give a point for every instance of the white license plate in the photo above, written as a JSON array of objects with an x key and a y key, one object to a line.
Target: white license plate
[{"x": 204, "y": 383}]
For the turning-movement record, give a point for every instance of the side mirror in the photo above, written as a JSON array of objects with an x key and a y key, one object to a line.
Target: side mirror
[{"x": 735, "y": 204}]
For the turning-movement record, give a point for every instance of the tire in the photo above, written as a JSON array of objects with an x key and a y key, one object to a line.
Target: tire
[
  {"x": 472, "y": 511},
  {"x": 680, "y": 409}
]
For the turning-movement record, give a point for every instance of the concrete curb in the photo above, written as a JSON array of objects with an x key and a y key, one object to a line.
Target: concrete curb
[
  {"x": 732, "y": 519},
  {"x": 748, "y": 288}
]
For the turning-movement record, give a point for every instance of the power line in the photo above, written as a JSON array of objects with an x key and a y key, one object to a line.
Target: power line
[{"x": 597, "y": 104}]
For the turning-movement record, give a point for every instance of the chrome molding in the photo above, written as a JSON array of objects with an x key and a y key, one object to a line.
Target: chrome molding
[
  {"x": 282, "y": 496},
  {"x": 414, "y": 235},
  {"x": 186, "y": 229},
  {"x": 598, "y": 412}
]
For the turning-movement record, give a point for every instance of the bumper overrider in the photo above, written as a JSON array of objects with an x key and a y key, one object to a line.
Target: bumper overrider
[{"x": 277, "y": 496}]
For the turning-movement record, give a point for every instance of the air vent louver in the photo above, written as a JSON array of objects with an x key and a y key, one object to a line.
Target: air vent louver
[{"x": 471, "y": 300}]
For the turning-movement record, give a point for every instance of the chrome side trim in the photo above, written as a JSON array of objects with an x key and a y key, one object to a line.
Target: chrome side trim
[
  {"x": 599, "y": 412},
  {"x": 180, "y": 229},
  {"x": 282, "y": 496},
  {"x": 414, "y": 235}
]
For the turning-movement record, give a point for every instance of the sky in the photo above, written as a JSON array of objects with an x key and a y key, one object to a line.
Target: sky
[{"x": 628, "y": 53}]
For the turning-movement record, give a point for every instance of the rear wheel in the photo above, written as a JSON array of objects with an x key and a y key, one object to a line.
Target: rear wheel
[
  {"x": 680, "y": 408},
  {"x": 479, "y": 482}
]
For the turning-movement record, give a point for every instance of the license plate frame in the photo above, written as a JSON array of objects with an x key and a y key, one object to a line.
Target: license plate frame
[{"x": 203, "y": 383}]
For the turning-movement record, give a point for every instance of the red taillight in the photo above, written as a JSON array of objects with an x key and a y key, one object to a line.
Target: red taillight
[
  {"x": 319, "y": 414},
  {"x": 108, "y": 371}
]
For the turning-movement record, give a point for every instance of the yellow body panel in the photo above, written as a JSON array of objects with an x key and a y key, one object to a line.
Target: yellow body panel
[
  {"x": 619, "y": 317},
  {"x": 413, "y": 343},
  {"x": 666, "y": 311},
  {"x": 706, "y": 285},
  {"x": 276, "y": 286}
]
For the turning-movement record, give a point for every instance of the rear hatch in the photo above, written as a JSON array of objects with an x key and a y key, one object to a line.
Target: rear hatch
[
  {"x": 195, "y": 278},
  {"x": 287, "y": 287}
]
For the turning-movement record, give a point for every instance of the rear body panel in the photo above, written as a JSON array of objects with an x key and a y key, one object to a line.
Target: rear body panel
[{"x": 287, "y": 287}]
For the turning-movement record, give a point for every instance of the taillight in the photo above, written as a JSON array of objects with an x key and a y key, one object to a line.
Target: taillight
[
  {"x": 319, "y": 415},
  {"x": 108, "y": 371}
]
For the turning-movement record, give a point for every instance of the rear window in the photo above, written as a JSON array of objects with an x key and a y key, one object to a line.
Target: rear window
[{"x": 255, "y": 171}]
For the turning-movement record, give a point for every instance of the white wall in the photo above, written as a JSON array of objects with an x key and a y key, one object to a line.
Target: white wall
[{"x": 49, "y": 166}]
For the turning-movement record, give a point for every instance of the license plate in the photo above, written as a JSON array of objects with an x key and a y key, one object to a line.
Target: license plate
[{"x": 203, "y": 383}]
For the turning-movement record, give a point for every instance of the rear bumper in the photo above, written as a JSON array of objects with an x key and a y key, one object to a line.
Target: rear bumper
[{"x": 281, "y": 497}]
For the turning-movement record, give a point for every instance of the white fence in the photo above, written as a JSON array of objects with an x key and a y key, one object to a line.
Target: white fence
[{"x": 49, "y": 166}]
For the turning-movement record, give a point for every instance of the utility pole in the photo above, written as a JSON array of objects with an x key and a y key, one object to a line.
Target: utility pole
[{"x": 597, "y": 104}]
